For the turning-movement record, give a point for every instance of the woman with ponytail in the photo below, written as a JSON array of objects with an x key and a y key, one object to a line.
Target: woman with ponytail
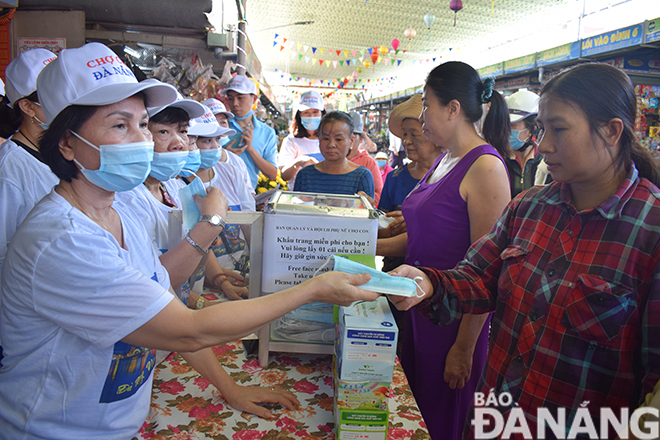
[
  {"x": 570, "y": 269},
  {"x": 455, "y": 203}
]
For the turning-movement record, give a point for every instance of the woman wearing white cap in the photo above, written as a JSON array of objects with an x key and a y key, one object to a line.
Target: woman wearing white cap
[
  {"x": 222, "y": 115},
  {"x": 524, "y": 162},
  {"x": 24, "y": 178},
  {"x": 226, "y": 177},
  {"x": 86, "y": 292},
  {"x": 301, "y": 147},
  {"x": 152, "y": 200}
]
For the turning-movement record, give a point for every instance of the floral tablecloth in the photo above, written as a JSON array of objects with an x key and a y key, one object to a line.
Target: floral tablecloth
[{"x": 186, "y": 406}]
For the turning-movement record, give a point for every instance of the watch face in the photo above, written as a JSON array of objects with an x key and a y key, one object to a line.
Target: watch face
[{"x": 215, "y": 219}]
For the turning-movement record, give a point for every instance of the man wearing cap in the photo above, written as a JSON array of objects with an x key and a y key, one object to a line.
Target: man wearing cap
[
  {"x": 525, "y": 163},
  {"x": 254, "y": 141},
  {"x": 222, "y": 116},
  {"x": 358, "y": 155}
]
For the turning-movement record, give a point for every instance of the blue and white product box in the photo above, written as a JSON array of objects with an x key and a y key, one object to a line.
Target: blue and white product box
[{"x": 366, "y": 342}]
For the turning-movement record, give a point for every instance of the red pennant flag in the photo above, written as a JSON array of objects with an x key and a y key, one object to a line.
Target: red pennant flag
[
  {"x": 281, "y": 48},
  {"x": 283, "y": 40},
  {"x": 320, "y": 62},
  {"x": 338, "y": 52}
]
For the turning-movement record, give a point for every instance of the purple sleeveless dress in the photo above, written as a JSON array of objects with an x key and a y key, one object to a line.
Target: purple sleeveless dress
[{"x": 439, "y": 236}]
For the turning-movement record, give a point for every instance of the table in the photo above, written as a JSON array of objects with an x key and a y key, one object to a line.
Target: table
[{"x": 185, "y": 406}]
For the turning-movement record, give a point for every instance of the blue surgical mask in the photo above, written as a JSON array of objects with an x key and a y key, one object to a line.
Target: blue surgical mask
[
  {"x": 381, "y": 162},
  {"x": 516, "y": 144},
  {"x": 224, "y": 140},
  {"x": 210, "y": 157},
  {"x": 123, "y": 166},
  {"x": 192, "y": 163},
  {"x": 380, "y": 282},
  {"x": 311, "y": 123},
  {"x": 165, "y": 165},
  {"x": 247, "y": 115},
  {"x": 190, "y": 210}
]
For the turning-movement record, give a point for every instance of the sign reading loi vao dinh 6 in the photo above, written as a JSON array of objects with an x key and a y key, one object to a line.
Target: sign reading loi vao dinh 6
[
  {"x": 565, "y": 52},
  {"x": 613, "y": 40},
  {"x": 652, "y": 30},
  {"x": 520, "y": 64}
]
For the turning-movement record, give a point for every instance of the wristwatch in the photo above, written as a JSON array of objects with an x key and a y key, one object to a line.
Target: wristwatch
[
  {"x": 200, "y": 302},
  {"x": 214, "y": 219}
]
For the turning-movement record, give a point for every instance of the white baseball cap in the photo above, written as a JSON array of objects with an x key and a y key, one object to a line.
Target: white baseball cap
[
  {"x": 94, "y": 75},
  {"x": 21, "y": 74},
  {"x": 207, "y": 126},
  {"x": 522, "y": 104},
  {"x": 310, "y": 100},
  {"x": 217, "y": 107},
  {"x": 193, "y": 108},
  {"x": 241, "y": 84},
  {"x": 358, "y": 124}
]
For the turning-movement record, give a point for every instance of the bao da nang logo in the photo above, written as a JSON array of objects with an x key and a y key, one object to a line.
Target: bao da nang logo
[{"x": 497, "y": 416}]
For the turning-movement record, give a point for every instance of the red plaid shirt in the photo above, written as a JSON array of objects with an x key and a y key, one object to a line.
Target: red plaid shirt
[{"x": 575, "y": 295}]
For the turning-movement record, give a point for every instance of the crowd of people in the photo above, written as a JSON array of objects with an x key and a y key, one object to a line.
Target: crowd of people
[{"x": 532, "y": 221}]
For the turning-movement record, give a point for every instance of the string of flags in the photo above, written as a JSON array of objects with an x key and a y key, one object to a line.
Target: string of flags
[
  {"x": 338, "y": 82},
  {"x": 348, "y": 57}
]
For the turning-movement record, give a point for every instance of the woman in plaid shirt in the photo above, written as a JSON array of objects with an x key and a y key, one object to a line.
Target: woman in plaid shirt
[{"x": 570, "y": 270}]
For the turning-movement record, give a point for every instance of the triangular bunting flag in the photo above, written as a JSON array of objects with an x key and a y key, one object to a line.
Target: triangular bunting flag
[
  {"x": 354, "y": 52},
  {"x": 274, "y": 43},
  {"x": 334, "y": 63},
  {"x": 321, "y": 51},
  {"x": 341, "y": 63},
  {"x": 277, "y": 35},
  {"x": 392, "y": 63},
  {"x": 320, "y": 62},
  {"x": 293, "y": 55},
  {"x": 291, "y": 44},
  {"x": 313, "y": 50},
  {"x": 348, "y": 62},
  {"x": 338, "y": 52},
  {"x": 305, "y": 47},
  {"x": 313, "y": 60},
  {"x": 434, "y": 60},
  {"x": 404, "y": 51},
  {"x": 370, "y": 50},
  {"x": 346, "y": 53},
  {"x": 283, "y": 40},
  {"x": 300, "y": 56},
  {"x": 299, "y": 46},
  {"x": 281, "y": 48},
  {"x": 307, "y": 59}
]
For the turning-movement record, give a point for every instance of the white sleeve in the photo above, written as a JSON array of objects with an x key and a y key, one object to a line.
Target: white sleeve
[
  {"x": 244, "y": 192},
  {"x": 13, "y": 209},
  {"x": 288, "y": 152},
  {"x": 103, "y": 299}
]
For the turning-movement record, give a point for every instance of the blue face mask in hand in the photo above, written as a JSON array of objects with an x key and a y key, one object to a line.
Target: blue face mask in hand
[
  {"x": 380, "y": 282},
  {"x": 209, "y": 157},
  {"x": 192, "y": 163},
  {"x": 123, "y": 166},
  {"x": 191, "y": 212},
  {"x": 165, "y": 165}
]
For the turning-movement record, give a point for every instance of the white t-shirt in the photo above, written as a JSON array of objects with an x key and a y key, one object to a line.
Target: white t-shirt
[
  {"x": 153, "y": 213},
  {"x": 70, "y": 294},
  {"x": 293, "y": 147},
  {"x": 242, "y": 169},
  {"x": 23, "y": 182}
]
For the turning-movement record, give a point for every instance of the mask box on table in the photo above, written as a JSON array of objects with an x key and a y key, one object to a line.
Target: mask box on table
[
  {"x": 366, "y": 342},
  {"x": 362, "y": 425},
  {"x": 360, "y": 396}
]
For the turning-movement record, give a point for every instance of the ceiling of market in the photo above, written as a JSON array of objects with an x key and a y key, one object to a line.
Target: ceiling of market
[{"x": 337, "y": 41}]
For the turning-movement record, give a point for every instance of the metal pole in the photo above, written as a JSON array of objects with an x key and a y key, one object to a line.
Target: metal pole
[{"x": 240, "y": 40}]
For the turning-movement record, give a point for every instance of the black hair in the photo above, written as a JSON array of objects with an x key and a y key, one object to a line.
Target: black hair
[
  {"x": 170, "y": 115},
  {"x": 299, "y": 130},
  {"x": 459, "y": 81},
  {"x": 337, "y": 116},
  {"x": 69, "y": 119},
  {"x": 603, "y": 92},
  {"x": 11, "y": 118}
]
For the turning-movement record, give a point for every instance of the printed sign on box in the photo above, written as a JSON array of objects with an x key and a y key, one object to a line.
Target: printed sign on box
[{"x": 295, "y": 246}]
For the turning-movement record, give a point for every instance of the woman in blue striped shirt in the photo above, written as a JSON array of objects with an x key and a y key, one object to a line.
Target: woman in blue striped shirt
[{"x": 335, "y": 174}]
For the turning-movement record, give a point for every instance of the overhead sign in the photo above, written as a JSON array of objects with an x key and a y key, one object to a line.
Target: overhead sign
[
  {"x": 520, "y": 64},
  {"x": 492, "y": 70},
  {"x": 652, "y": 30},
  {"x": 54, "y": 45},
  {"x": 609, "y": 41},
  {"x": 565, "y": 52}
]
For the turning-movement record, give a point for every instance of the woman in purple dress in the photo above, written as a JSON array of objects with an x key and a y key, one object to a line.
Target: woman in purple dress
[{"x": 454, "y": 204}]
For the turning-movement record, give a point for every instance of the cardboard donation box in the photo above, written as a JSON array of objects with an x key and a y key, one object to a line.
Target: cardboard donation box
[{"x": 301, "y": 231}]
